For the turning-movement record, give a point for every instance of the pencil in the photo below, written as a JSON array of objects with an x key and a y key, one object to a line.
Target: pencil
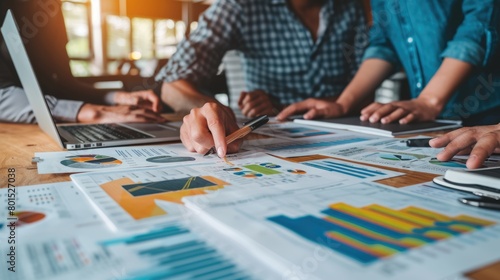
[{"x": 242, "y": 132}]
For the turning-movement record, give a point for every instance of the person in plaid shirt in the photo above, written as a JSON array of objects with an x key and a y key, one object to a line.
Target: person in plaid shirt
[{"x": 292, "y": 50}]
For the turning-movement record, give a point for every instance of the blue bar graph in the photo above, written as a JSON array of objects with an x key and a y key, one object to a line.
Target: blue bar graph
[
  {"x": 350, "y": 170},
  {"x": 182, "y": 254},
  {"x": 322, "y": 144}
]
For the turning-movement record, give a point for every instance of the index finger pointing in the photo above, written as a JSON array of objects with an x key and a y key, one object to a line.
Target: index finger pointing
[{"x": 215, "y": 123}]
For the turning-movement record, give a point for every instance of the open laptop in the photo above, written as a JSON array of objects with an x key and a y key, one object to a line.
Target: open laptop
[{"x": 77, "y": 136}]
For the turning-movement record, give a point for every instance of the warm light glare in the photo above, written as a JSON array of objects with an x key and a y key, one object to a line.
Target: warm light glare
[
  {"x": 170, "y": 24},
  {"x": 135, "y": 55}
]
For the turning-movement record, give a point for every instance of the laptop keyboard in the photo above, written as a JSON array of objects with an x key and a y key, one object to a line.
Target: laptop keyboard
[{"x": 103, "y": 132}]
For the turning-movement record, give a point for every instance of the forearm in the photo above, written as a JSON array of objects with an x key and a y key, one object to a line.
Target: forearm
[
  {"x": 182, "y": 96},
  {"x": 443, "y": 84},
  {"x": 371, "y": 73},
  {"x": 15, "y": 107}
]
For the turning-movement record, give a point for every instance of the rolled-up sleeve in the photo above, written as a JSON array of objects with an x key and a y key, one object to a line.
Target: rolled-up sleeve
[
  {"x": 198, "y": 57},
  {"x": 380, "y": 47},
  {"x": 476, "y": 40},
  {"x": 15, "y": 107}
]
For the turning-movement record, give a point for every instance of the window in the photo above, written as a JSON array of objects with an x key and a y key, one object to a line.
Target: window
[
  {"x": 124, "y": 39},
  {"x": 76, "y": 18},
  {"x": 141, "y": 39}
]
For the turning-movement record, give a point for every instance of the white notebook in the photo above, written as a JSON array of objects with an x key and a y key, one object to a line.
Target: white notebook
[
  {"x": 388, "y": 130},
  {"x": 482, "y": 182}
]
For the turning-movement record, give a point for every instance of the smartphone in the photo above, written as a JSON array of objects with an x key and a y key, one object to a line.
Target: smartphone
[{"x": 419, "y": 142}]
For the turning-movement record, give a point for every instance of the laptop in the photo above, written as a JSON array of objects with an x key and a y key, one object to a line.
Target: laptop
[{"x": 77, "y": 136}]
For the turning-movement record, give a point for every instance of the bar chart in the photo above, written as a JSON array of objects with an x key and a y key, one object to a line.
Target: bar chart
[
  {"x": 350, "y": 170},
  {"x": 172, "y": 252},
  {"x": 367, "y": 234}
]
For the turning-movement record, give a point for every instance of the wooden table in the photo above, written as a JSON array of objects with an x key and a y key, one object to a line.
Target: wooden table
[{"x": 21, "y": 141}]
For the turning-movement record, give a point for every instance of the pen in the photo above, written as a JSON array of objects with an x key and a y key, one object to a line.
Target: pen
[
  {"x": 243, "y": 131},
  {"x": 418, "y": 142},
  {"x": 481, "y": 202}
]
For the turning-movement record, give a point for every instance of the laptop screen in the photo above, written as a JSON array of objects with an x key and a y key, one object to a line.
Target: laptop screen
[{"x": 17, "y": 51}]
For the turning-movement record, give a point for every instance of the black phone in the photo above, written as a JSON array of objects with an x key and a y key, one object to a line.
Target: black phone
[{"x": 418, "y": 142}]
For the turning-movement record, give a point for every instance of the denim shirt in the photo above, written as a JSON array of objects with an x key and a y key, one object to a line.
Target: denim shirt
[{"x": 418, "y": 35}]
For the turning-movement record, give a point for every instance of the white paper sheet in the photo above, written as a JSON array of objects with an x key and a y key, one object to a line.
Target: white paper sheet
[
  {"x": 290, "y": 130},
  {"x": 39, "y": 208},
  {"x": 166, "y": 252},
  {"x": 116, "y": 158},
  {"x": 359, "y": 231},
  {"x": 305, "y": 146},
  {"x": 352, "y": 170},
  {"x": 132, "y": 199},
  {"x": 395, "y": 153}
]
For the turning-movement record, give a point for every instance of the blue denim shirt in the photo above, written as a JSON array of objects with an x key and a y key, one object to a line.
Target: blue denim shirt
[{"x": 418, "y": 35}]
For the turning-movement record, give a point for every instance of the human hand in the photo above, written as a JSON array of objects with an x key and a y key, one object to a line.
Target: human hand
[
  {"x": 313, "y": 108},
  {"x": 90, "y": 113},
  {"x": 207, "y": 127},
  {"x": 404, "y": 111},
  {"x": 146, "y": 99},
  {"x": 479, "y": 141},
  {"x": 256, "y": 103}
]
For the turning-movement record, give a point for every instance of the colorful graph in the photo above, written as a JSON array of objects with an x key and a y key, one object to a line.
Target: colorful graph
[
  {"x": 168, "y": 159},
  {"x": 350, "y": 170},
  {"x": 270, "y": 165},
  {"x": 138, "y": 199},
  {"x": 248, "y": 174},
  {"x": 28, "y": 217},
  {"x": 231, "y": 169},
  {"x": 167, "y": 186},
  {"x": 367, "y": 234},
  {"x": 90, "y": 161},
  {"x": 397, "y": 157},
  {"x": 264, "y": 169},
  {"x": 452, "y": 163}
]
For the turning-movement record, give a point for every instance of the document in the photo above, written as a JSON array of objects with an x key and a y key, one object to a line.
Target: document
[
  {"x": 41, "y": 207},
  {"x": 290, "y": 130},
  {"x": 107, "y": 159},
  {"x": 358, "y": 231},
  {"x": 305, "y": 146},
  {"x": 39, "y": 214},
  {"x": 431, "y": 190},
  {"x": 178, "y": 252},
  {"x": 59, "y": 255},
  {"x": 173, "y": 250},
  {"x": 352, "y": 170},
  {"x": 133, "y": 199},
  {"x": 395, "y": 153}
]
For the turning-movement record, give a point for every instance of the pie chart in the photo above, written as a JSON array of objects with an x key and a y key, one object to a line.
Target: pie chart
[
  {"x": 168, "y": 159},
  {"x": 248, "y": 174},
  {"x": 28, "y": 217},
  {"x": 297, "y": 171},
  {"x": 90, "y": 161},
  {"x": 270, "y": 165},
  {"x": 231, "y": 169},
  {"x": 397, "y": 157},
  {"x": 447, "y": 163}
]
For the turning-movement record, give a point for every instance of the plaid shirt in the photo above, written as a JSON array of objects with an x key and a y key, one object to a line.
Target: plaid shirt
[{"x": 280, "y": 55}]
